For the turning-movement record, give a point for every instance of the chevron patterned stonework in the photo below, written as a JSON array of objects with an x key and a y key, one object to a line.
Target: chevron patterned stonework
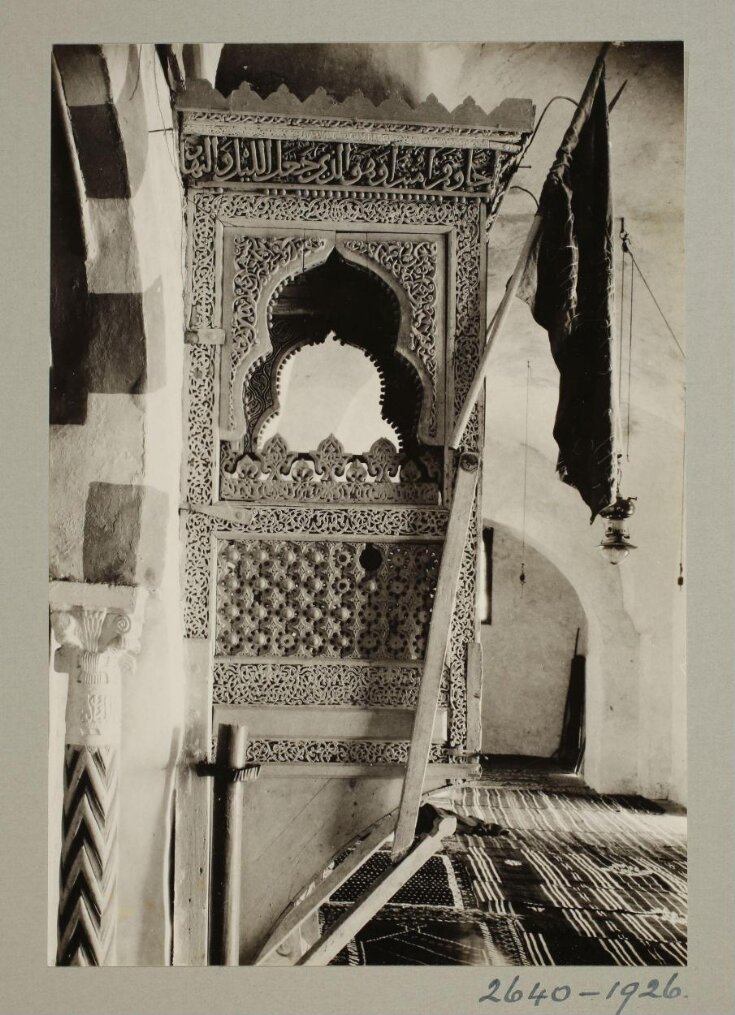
[{"x": 87, "y": 913}]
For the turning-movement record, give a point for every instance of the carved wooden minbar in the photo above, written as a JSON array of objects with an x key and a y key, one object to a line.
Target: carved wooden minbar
[{"x": 310, "y": 572}]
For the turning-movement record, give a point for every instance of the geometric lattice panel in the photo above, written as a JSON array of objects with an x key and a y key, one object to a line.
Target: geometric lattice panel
[{"x": 283, "y": 598}]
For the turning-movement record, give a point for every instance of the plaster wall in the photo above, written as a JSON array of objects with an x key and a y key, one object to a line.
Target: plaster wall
[
  {"x": 613, "y": 644},
  {"x": 642, "y": 592},
  {"x": 527, "y": 651}
]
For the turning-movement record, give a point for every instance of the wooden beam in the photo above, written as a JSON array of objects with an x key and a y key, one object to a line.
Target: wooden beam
[
  {"x": 227, "y": 846},
  {"x": 437, "y": 771},
  {"x": 436, "y": 650},
  {"x": 367, "y": 845},
  {"x": 381, "y": 891},
  {"x": 192, "y": 835},
  {"x": 474, "y": 697}
]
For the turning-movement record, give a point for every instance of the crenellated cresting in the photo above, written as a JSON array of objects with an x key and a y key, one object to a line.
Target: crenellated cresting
[
  {"x": 382, "y": 473},
  {"x": 281, "y": 141}
]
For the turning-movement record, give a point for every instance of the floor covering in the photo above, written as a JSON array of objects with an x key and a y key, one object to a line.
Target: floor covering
[{"x": 552, "y": 874}]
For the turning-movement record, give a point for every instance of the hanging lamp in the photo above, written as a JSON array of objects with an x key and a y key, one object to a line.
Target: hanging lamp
[{"x": 615, "y": 544}]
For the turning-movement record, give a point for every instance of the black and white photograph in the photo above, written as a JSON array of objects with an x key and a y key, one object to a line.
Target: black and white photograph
[{"x": 367, "y": 506}]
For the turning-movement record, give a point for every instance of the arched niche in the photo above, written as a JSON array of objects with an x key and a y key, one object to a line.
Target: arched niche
[
  {"x": 340, "y": 296},
  {"x": 361, "y": 309},
  {"x": 530, "y": 632},
  {"x": 614, "y": 732}
]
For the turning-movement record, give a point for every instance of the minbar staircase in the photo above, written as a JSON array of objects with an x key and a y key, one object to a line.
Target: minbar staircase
[
  {"x": 408, "y": 853},
  {"x": 381, "y": 891}
]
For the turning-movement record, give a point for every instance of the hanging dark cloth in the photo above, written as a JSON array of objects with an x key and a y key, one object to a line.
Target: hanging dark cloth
[{"x": 568, "y": 284}]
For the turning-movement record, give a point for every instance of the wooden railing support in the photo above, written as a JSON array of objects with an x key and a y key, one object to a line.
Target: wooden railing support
[
  {"x": 380, "y": 891},
  {"x": 436, "y": 650},
  {"x": 366, "y": 846}
]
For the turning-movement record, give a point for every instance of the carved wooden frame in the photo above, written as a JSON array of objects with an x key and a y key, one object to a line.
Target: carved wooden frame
[
  {"x": 210, "y": 213},
  {"x": 432, "y": 171},
  {"x": 289, "y": 249}
]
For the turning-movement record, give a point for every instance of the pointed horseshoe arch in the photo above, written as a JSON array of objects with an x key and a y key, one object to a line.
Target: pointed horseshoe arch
[{"x": 269, "y": 271}]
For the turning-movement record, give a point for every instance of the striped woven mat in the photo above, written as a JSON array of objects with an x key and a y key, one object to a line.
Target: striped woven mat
[{"x": 564, "y": 879}]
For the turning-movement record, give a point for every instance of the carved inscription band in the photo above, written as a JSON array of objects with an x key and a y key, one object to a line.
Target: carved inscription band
[{"x": 308, "y": 163}]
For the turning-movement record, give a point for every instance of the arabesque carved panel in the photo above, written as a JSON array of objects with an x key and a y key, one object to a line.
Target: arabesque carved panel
[
  {"x": 257, "y": 259},
  {"x": 361, "y": 521},
  {"x": 200, "y": 441},
  {"x": 345, "y": 752},
  {"x": 335, "y": 683},
  {"x": 270, "y": 520},
  {"x": 370, "y": 209},
  {"x": 463, "y": 631}
]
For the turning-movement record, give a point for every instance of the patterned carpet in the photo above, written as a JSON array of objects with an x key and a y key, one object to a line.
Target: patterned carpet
[{"x": 560, "y": 876}]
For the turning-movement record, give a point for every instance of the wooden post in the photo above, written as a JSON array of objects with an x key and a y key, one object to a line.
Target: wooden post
[
  {"x": 436, "y": 650},
  {"x": 381, "y": 891},
  {"x": 227, "y": 846},
  {"x": 474, "y": 697}
]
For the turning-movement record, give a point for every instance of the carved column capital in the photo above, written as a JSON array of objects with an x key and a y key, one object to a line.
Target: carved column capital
[{"x": 98, "y": 630}]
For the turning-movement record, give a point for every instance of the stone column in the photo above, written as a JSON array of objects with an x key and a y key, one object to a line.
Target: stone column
[{"x": 97, "y": 628}]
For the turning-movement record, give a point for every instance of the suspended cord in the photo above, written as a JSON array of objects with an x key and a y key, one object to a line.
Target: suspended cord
[
  {"x": 663, "y": 315},
  {"x": 522, "y": 576},
  {"x": 680, "y": 579},
  {"x": 634, "y": 264},
  {"x": 171, "y": 157},
  {"x": 525, "y": 190},
  {"x": 630, "y": 367},
  {"x": 543, "y": 114},
  {"x": 574, "y": 102},
  {"x": 622, "y": 310}
]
